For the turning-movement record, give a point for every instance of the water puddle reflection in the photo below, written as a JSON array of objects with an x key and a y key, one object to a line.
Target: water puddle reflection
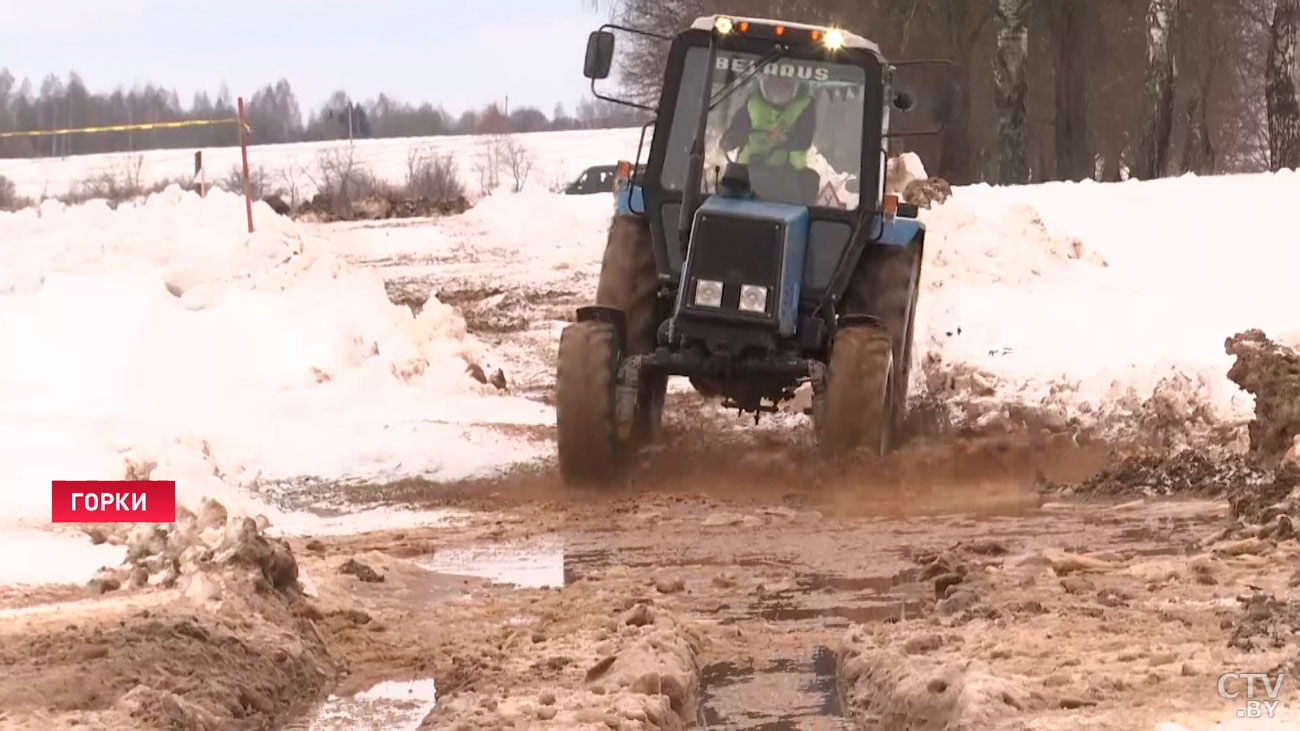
[
  {"x": 393, "y": 705},
  {"x": 535, "y": 563}
]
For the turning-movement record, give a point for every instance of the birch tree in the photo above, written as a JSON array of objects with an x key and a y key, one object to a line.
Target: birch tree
[
  {"x": 1158, "y": 102},
  {"x": 1011, "y": 89},
  {"x": 1280, "y": 87}
]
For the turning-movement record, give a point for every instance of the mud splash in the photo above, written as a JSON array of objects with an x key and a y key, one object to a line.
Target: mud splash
[{"x": 1271, "y": 373}]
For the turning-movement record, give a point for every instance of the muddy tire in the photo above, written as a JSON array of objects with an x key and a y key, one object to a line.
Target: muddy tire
[
  {"x": 856, "y": 409},
  {"x": 887, "y": 287},
  {"x": 587, "y": 433},
  {"x": 629, "y": 281}
]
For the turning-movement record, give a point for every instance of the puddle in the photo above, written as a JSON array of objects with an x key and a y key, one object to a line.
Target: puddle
[
  {"x": 873, "y": 584},
  {"x": 578, "y": 564},
  {"x": 361, "y": 521},
  {"x": 851, "y": 614},
  {"x": 534, "y": 563},
  {"x": 392, "y": 705},
  {"x": 787, "y": 694},
  {"x": 824, "y": 671}
]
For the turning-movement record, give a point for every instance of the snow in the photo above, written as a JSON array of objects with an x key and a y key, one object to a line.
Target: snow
[
  {"x": 1019, "y": 271},
  {"x": 163, "y": 335},
  {"x": 36, "y": 556},
  {"x": 902, "y": 170},
  {"x": 557, "y": 157}
]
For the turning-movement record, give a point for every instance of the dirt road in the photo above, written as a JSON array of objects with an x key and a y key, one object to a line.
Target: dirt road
[{"x": 754, "y": 603}]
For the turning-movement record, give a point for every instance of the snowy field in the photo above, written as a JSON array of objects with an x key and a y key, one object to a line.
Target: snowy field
[
  {"x": 556, "y": 157},
  {"x": 161, "y": 338}
]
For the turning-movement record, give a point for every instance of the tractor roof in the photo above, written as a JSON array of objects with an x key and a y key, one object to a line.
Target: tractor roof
[{"x": 851, "y": 40}]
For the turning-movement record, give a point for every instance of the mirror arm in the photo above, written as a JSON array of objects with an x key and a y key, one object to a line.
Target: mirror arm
[
  {"x": 635, "y": 31},
  {"x": 648, "y": 34},
  {"x": 623, "y": 102}
]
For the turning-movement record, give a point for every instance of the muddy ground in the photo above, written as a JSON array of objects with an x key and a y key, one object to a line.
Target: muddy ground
[
  {"x": 984, "y": 605},
  {"x": 1020, "y": 580}
]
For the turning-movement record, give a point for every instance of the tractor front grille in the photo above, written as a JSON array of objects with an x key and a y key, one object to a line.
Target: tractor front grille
[{"x": 736, "y": 251}]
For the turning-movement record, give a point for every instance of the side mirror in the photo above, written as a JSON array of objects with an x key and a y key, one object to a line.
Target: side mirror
[
  {"x": 903, "y": 100},
  {"x": 600, "y": 55}
]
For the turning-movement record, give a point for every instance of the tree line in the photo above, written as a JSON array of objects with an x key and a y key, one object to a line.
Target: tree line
[
  {"x": 273, "y": 113},
  {"x": 1057, "y": 89}
]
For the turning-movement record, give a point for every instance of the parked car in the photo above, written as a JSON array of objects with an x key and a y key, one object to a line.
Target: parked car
[{"x": 597, "y": 179}]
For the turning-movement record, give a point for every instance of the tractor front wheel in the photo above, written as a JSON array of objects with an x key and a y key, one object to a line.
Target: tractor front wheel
[
  {"x": 629, "y": 282},
  {"x": 856, "y": 406},
  {"x": 585, "y": 420}
]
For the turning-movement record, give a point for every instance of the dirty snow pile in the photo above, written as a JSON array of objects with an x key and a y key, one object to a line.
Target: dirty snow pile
[
  {"x": 161, "y": 339},
  {"x": 1104, "y": 307}
]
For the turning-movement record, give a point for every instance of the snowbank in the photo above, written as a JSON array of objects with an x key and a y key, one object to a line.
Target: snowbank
[
  {"x": 164, "y": 339},
  {"x": 1083, "y": 297}
]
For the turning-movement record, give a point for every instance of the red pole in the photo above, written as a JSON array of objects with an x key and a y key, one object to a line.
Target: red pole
[{"x": 243, "y": 149}]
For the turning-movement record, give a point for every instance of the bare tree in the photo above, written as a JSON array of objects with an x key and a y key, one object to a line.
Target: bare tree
[
  {"x": 1072, "y": 24},
  {"x": 288, "y": 179},
  {"x": 1202, "y": 32},
  {"x": 1280, "y": 87},
  {"x": 1158, "y": 103},
  {"x": 518, "y": 160},
  {"x": 432, "y": 176},
  {"x": 341, "y": 181},
  {"x": 1012, "y": 90},
  {"x": 488, "y": 165}
]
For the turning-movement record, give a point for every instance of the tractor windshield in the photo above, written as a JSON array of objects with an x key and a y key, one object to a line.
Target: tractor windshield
[{"x": 796, "y": 123}]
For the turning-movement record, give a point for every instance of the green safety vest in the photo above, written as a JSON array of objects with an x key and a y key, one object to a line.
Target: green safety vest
[{"x": 764, "y": 117}]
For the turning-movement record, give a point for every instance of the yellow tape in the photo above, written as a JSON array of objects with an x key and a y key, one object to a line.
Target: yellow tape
[{"x": 124, "y": 128}]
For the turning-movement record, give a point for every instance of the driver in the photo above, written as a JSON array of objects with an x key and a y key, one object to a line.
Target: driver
[{"x": 776, "y": 126}]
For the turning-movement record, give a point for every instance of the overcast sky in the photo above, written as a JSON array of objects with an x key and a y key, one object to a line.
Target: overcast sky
[{"x": 460, "y": 53}]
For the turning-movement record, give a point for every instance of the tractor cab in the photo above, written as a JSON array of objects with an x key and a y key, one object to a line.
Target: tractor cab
[{"x": 760, "y": 213}]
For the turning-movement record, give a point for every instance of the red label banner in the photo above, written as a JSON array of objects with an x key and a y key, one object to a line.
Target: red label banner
[{"x": 113, "y": 501}]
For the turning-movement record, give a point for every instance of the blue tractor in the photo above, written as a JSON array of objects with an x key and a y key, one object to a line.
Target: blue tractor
[{"x": 744, "y": 257}]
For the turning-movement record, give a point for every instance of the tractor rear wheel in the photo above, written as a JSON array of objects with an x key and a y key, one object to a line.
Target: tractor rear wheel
[
  {"x": 584, "y": 402},
  {"x": 856, "y": 408},
  {"x": 629, "y": 281}
]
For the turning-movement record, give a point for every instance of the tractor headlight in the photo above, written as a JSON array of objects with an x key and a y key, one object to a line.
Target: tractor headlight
[
  {"x": 753, "y": 298},
  {"x": 708, "y": 293}
]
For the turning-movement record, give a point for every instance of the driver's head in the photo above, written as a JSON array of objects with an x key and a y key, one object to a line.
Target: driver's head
[{"x": 779, "y": 90}]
